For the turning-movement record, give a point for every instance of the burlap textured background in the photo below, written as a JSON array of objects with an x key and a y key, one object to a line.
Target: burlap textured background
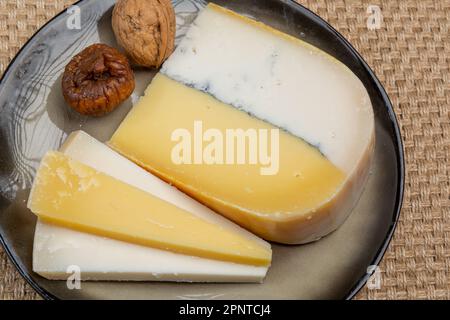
[{"x": 410, "y": 54}]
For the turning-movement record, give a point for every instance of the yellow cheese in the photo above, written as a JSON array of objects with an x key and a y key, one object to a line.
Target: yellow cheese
[
  {"x": 305, "y": 179},
  {"x": 231, "y": 72},
  {"x": 71, "y": 194}
]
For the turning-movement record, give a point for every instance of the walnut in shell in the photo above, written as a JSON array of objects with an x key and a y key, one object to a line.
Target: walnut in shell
[
  {"x": 145, "y": 29},
  {"x": 97, "y": 80}
]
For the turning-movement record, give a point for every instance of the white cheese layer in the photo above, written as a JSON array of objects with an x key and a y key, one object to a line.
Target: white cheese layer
[
  {"x": 279, "y": 79},
  {"x": 104, "y": 259},
  {"x": 56, "y": 249}
]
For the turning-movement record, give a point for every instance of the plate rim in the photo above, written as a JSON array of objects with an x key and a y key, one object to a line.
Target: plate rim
[{"x": 399, "y": 151}]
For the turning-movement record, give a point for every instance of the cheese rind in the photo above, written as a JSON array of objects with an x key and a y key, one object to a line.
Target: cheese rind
[
  {"x": 56, "y": 248},
  {"x": 71, "y": 194}
]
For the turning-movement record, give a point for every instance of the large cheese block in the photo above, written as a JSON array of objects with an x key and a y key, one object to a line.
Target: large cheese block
[
  {"x": 71, "y": 194},
  {"x": 231, "y": 72},
  {"x": 56, "y": 248}
]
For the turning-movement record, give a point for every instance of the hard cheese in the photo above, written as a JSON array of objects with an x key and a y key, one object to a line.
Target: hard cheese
[
  {"x": 99, "y": 258},
  {"x": 68, "y": 193},
  {"x": 232, "y": 72}
]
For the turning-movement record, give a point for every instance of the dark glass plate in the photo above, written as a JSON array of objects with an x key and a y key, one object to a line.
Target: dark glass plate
[{"x": 34, "y": 119}]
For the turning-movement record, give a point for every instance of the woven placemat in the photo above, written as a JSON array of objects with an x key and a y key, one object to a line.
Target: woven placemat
[{"x": 410, "y": 54}]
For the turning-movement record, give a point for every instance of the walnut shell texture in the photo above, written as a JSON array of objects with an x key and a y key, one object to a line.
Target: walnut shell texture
[
  {"x": 145, "y": 29},
  {"x": 97, "y": 80}
]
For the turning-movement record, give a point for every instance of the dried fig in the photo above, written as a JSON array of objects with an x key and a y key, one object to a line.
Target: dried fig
[
  {"x": 145, "y": 29},
  {"x": 97, "y": 80}
]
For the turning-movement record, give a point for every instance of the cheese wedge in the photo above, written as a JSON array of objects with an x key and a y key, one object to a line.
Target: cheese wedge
[
  {"x": 68, "y": 193},
  {"x": 233, "y": 72},
  {"x": 57, "y": 249},
  {"x": 99, "y": 258}
]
